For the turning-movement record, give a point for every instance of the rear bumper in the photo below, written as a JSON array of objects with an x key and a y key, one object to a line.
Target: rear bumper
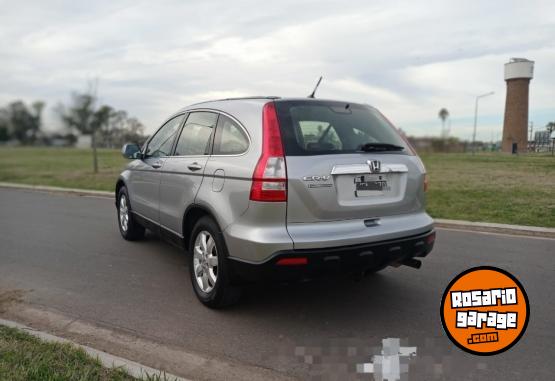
[
  {"x": 260, "y": 232},
  {"x": 298, "y": 264}
]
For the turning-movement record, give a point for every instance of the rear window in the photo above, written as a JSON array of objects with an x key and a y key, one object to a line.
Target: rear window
[{"x": 324, "y": 127}]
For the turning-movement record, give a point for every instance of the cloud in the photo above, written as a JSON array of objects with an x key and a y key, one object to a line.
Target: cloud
[{"x": 409, "y": 59}]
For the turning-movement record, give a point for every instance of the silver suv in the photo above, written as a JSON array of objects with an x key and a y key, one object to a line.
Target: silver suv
[{"x": 270, "y": 188}]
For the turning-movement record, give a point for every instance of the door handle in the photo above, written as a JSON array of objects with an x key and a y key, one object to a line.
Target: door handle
[
  {"x": 194, "y": 166},
  {"x": 156, "y": 165}
]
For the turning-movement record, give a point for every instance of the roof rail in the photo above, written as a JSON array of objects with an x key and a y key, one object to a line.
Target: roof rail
[
  {"x": 251, "y": 97},
  {"x": 237, "y": 99}
]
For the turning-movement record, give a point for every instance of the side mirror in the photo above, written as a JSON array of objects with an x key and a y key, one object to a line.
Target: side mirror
[{"x": 131, "y": 151}]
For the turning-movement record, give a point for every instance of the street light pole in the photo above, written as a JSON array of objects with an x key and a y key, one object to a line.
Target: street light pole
[{"x": 476, "y": 119}]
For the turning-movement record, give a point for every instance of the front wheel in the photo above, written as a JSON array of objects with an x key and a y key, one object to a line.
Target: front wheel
[
  {"x": 128, "y": 227},
  {"x": 208, "y": 266}
]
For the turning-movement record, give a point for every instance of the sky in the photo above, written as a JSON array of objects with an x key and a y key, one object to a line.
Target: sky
[{"x": 408, "y": 59}]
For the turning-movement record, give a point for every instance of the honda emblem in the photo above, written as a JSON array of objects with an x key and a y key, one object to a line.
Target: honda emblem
[{"x": 375, "y": 166}]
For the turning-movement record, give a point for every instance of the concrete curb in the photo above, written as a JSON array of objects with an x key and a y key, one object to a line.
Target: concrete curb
[
  {"x": 107, "y": 360},
  {"x": 531, "y": 231},
  {"x": 44, "y": 188},
  {"x": 129, "y": 343}
]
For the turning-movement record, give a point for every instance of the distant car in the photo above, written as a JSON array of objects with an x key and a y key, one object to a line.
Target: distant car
[{"x": 277, "y": 189}]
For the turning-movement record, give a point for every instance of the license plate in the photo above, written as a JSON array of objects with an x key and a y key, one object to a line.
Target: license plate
[{"x": 370, "y": 186}]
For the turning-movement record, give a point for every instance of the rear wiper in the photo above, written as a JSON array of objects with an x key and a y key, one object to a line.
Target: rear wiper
[{"x": 373, "y": 147}]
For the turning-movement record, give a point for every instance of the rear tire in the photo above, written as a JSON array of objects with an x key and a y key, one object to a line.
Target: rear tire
[
  {"x": 129, "y": 228},
  {"x": 209, "y": 267}
]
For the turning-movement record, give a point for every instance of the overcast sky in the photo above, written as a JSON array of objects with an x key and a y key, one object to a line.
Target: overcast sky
[{"x": 408, "y": 59}]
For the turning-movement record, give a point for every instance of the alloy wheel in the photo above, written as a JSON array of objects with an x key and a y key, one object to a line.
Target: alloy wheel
[
  {"x": 205, "y": 261},
  {"x": 123, "y": 213}
]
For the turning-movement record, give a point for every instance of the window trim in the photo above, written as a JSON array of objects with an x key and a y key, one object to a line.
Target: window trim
[
  {"x": 211, "y": 145},
  {"x": 211, "y": 153},
  {"x": 143, "y": 152},
  {"x": 218, "y": 134}
]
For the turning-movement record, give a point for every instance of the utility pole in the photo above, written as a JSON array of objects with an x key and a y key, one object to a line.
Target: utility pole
[
  {"x": 531, "y": 129},
  {"x": 531, "y": 142}
]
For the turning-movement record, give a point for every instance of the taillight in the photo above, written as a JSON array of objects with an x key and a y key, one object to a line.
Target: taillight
[
  {"x": 269, "y": 180},
  {"x": 422, "y": 169}
]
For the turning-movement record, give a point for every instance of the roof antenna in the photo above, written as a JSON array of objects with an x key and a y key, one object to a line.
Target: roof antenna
[{"x": 315, "y": 88}]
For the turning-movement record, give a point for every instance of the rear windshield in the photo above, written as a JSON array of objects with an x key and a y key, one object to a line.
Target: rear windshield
[{"x": 325, "y": 127}]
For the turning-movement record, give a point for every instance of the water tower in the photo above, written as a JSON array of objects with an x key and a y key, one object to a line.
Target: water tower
[{"x": 518, "y": 73}]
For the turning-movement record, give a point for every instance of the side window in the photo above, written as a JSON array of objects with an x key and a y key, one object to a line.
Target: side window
[
  {"x": 197, "y": 133},
  {"x": 161, "y": 143},
  {"x": 230, "y": 138}
]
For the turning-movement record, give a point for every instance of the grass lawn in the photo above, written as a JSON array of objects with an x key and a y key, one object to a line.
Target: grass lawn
[
  {"x": 62, "y": 167},
  {"x": 25, "y": 357},
  {"x": 492, "y": 188},
  {"x": 485, "y": 187}
]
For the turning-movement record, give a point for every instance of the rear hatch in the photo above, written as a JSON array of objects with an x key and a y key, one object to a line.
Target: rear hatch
[{"x": 346, "y": 161}]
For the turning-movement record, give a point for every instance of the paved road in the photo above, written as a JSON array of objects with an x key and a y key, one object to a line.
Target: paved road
[{"x": 67, "y": 249}]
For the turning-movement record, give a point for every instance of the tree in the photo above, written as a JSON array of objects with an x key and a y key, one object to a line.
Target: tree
[
  {"x": 100, "y": 118},
  {"x": 21, "y": 122},
  {"x": 4, "y": 125},
  {"x": 37, "y": 107},
  {"x": 104, "y": 124},
  {"x": 113, "y": 128},
  {"x": 443, "y": 115},
  {"x": 134, "y": 131},
  {"x": 119, "y": 128},
  {"x": 82, "y": 116},
  {"x": 550, "y": 127}
]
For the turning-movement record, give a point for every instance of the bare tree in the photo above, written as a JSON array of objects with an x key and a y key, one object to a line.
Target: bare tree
[{"x": 85, "y": 118}]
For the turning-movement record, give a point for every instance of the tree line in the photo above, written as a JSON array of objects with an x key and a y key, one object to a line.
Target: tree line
[{"x": 23, "y": 124}]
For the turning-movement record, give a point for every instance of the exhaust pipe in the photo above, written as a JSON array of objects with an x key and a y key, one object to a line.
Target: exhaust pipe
[{"x": 411, "y": 262}]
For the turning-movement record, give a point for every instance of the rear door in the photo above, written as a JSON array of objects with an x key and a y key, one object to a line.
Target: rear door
[
  {"x": 345, "y": 161},
  {"x": 184, "y": 169}
]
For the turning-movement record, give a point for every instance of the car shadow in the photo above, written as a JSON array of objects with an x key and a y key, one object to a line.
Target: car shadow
[{"x": 393, "y": 294}]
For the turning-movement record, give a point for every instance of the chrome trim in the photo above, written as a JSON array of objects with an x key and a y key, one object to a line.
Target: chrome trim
[
  {"x": 375, "y": 166},
  {"x": 186, "y": 156},
  {"x": 145, "y": 145},
  {"x": 182, "y": 112},
  {"x": 230, "y": 117},
  {"x": 348, "y": 169}
]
